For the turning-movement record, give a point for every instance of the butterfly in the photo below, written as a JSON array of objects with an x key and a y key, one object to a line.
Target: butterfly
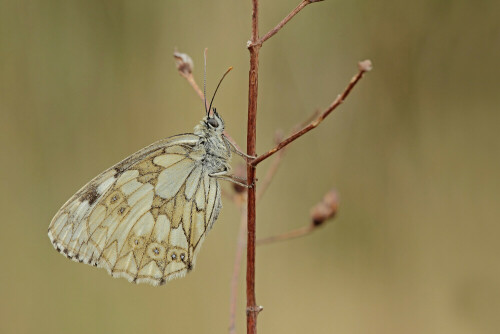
[{"x": 146, "y": 217}]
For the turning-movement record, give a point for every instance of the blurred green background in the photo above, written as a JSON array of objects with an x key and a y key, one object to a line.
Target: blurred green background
[{"x": 414, "y": 154}]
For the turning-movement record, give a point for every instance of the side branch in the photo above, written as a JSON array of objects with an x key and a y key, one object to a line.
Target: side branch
[
  {"x": 363, "y": 66},
  {"x": 323, "y": 211},
  {"x": 280, "y": 25},
  {"x": 288, "y": 235}
]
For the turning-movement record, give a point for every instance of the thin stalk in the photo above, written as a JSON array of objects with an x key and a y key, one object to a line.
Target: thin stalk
[{"x": 252, "y": 309}]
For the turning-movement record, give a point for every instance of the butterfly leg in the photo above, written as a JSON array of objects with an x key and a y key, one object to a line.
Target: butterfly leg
[
  {"x": 237, "y": 151},
  {"x": 231, "y": 178}
]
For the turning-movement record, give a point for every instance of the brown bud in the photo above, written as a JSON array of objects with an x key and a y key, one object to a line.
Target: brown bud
[
  {"x": 365, "y": 65},
  {"x": 183, "y": 62},
  {"x": 331, "y": 199},
  {"x": 326, "y": 209}
]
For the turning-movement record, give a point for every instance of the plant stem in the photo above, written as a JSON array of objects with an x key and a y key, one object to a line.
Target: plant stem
[
  {"x": 280, "y": 25},
  {"x": 363, "y": 67},
  {"x": 252, "y": 309},
  {"x": 288, "y": 235}
]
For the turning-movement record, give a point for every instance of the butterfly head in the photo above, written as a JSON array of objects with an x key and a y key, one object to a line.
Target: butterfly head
[{"x": 212, "y": 124}]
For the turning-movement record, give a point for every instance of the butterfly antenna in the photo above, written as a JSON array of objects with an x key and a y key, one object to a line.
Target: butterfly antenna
[
  {"x": 213, "y": 97},
  {"x": 205, "y": 82}
]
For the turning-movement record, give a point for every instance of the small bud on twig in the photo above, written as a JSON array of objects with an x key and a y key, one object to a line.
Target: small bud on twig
[
  {"x": 365, "y": 65},
  {"x": 321, "y": 212},
  {"x": 183, "y": 62},
  {"x": 326, "y": 209}
]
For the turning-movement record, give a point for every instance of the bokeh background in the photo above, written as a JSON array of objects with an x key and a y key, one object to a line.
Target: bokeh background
[{"x": 414, "y": 154}]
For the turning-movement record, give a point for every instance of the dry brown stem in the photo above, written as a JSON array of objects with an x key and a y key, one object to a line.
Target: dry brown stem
[
  {"x": 287, "y": 18},
  {"x": 323, "y": 211},
  {"x": 254, "y": 46},
  {"x": 363, "y": 66},
  {"x": 263, "y": 185},
  {"x": 251, "y": 199},
  {"x": 287, "y": 235}
]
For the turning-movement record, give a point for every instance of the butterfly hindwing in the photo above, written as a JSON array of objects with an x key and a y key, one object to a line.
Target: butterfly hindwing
[{"x": 144, "y": 218}]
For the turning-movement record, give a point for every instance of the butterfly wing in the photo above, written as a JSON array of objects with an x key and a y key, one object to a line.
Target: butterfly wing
[{"x": 144, "y": 218}]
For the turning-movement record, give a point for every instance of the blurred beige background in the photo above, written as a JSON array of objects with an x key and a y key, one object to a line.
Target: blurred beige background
[{"x": 414, "y": 154}]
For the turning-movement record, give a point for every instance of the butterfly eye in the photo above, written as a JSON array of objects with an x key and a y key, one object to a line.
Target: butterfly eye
[{"x": 213, "y": 122}]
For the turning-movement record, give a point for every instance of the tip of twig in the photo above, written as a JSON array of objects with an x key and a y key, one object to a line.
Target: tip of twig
[
  {"x": 326, "y": 209},
  {"x": 183, "y": 62},
  {"x": 365, "y": 65}
]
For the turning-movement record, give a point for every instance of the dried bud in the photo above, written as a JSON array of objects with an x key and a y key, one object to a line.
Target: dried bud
[
  {"x": 365, "y": 65},
  {"x": 326, "y": 209},
  {"x": 183, "y": 62},
  {"x": 331, "y": 199},
  {"x": 240, "y": 172}
]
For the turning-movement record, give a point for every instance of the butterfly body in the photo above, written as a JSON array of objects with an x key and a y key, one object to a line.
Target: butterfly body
[
  {"x": 217, "y": 148},
  {"x": 145, "y": 218}
]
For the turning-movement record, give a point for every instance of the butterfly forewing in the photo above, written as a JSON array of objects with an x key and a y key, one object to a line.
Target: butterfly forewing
[{"x": 144, "y": 218}]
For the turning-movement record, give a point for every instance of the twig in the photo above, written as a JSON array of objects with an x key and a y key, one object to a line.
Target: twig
[
  {"x": 236, "y": 271},
  {"x": 263, "y": 185},
  {"x": 323, "y": 211},
  {"x": 280, "y": 25},
  {"x": 254, "y": 46},
  {"x": 288, "y": 235},
  {"x": 320, "y": 213},
  {"x": 189, "y": 77},
  {"x": 252, "y": 308},
  {"x": 363, "y": 66}
]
